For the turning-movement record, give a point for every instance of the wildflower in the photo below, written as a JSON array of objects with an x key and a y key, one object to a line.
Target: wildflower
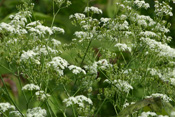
[
  {"x": 27, "y": 55},
  {"x": 78, "y": 16},
  {"x": 162, "y": 96},
  {"x": 30, "y": 87},
  {"x": 56, "y": 42},
  {"x": 93, "y": 10},
  {"x": 163, "y": 50},
  {"x": 172, "y": 113},
  {"x": 6, "y": 106},
  {"x": 15, "y": 114},
  {"x": 148, "y": 34},
  {"x": 41, "y": 95},
  {"x": 36, "y": 112},
  {"x": 121, "y": 85},
  {"x": 79, "y": 100},
  {"x": 103, "y": 64},
  {"x": 105, "y": 20},
  {"x": 44, "y": 50},
  {"x": 59, "y": 64},
  {"x": 83, "y": 35},
  {"x": 147, "y": 114},
  {"x": 141, "y": 4},
  {"x": 162, "y": 9},
  {"x": 123, "y": 47},
  {"x": 76, "y": 70},
  {"x": 54, "y": 29}
]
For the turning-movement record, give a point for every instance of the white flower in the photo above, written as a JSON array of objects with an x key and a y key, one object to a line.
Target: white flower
[
  {"x": 103, "y": 64},
  {"x": 54, "y": 29},
  {"x": 56, "y": 42},
  {"x": 122, "y": 26},
  {"x": 45, "y": 50},
  {"x": 120, "y": 84},
  {"x": 141, "y": 4},
  {"x": 123, "y": 47},
  {"x": 93, "y": 10},
  {"x": 148, "y": 34},
  {"x": 147, "y": 114},
  {"x": 172, "y": 113},
  {"x": 15, "y": 114},
  {"x": 83, "y": 35},
  {"x": 162, "y": 9},
  {"x": 31, "y": 87},
  {"x": 41, "y": 95},
  {"x": 78, "y": 16},
  {"x": 79, "y": 100},
  {"x": 123, "y": 85},
  {"x": 36, "y": 112},
  {"x": 6, "y": 106},
  {"x": 162, "y": 96},
  {"x": 105, "y": 20},
  {"x": 36, "y": 28},
  {"x": 7, "y": 27},
  {"x": 59, "y": 64},
  {"x": 162, "y": 50},
  {"x": 27, "y": 55},
  {"x": 76, "y": 70}
]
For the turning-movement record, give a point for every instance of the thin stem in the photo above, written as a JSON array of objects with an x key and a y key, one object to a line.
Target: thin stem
[
  {"x": 86, "y": 52},
  {"x": 100, "y": 107},
  {"x": 74, "y": 111},
  {"x": 10, "y": 97},
  {"x": 3, "y": 114},
  {"x": 50, "y": 109},
  {"x": 54, "y": 16}
]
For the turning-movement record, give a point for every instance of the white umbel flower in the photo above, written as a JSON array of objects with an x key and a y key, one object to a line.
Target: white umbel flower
[
  {"x": 59, "y": 64},
  {"x": 162, "y": 96},
  {"x": 121, "y": 85},
  {"x": 79, "y": 100},
  {"x": 147, "y": 114},
  {"x": 41, "y": 95},
  {"x": 6, "y": 106},
  {"x": 76, "y": 70},
  {"x": 27, "y": 55},
  {"x": 36, "y": 112},
  {"x": 58, "y": 29},
  {"x": 93, "y": 10},
  {"x": 123, "y": 47},
  {"x": 30, "y": 87},
  {"x": 141, "y": 4}
]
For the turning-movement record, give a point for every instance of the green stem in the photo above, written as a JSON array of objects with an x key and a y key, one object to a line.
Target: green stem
[
  {"x": 86, "y": 52},
  {"x": 100, "y": 107},
  {"x": 74, "y": 111},
  {"x": 10, "y": 97}
]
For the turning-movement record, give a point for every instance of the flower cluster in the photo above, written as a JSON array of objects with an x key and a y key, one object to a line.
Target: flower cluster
[
  {"x": 79, "y": 100},
  {"x": 141, "y": 4},
  {"x": 121, "y": 85},
  {"x": 30, "y": 87},
  {"x": 6, "y": 106},
  {"x": 123, "y": 47},
  {"x": 41, "y": 95},
  {"x": 162, "y": 96},
  {"x": 162, "y": 9},
  {"x": 36, "y": 112},
  {"x": 76, "y": 70},
  {"x": 93, "y": 10},
  {"x": 153, "y": 114},
  {"x": 59, "y": 64}
]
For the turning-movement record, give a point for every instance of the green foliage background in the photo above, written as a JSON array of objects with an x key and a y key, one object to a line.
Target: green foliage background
[{"x": 43, "y": 11}]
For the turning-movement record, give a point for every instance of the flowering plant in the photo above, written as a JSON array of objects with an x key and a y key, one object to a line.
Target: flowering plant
[{"x": 121, "y": 66}]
